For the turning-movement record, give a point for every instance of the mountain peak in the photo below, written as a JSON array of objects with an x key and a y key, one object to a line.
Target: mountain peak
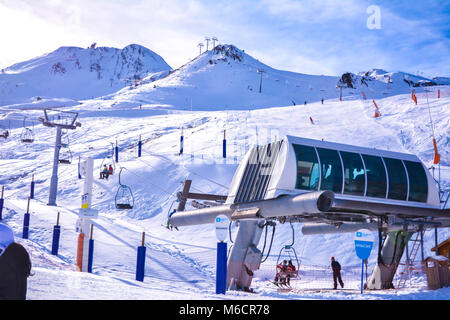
[{"x": 230, "y": 51}]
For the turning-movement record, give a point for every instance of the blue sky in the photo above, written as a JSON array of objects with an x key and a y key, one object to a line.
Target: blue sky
[{"x": 316, "y": 37}]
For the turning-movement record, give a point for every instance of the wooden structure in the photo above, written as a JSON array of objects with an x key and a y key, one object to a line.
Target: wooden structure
[
  {"x": 443, "y": 249},
  {"x": 438, "y": 272}
]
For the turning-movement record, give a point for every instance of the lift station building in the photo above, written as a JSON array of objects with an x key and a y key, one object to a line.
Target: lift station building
[{"x": 333, "y": 188}]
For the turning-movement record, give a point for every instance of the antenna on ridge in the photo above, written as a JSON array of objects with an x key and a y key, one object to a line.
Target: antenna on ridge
[
  {"x": 200, "y": 45},
  {"x": 207, "y": 42},
  {"x": 214, "y": 39},
  {"x": 260, "y": 71}
]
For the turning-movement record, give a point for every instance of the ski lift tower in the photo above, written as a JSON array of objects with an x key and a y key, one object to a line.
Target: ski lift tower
[{"x": 59, "y": 120}]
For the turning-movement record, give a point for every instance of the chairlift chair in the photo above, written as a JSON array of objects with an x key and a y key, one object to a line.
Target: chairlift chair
[
  {"x": 4, "y": 131},
  {"x": 65, "y": 156},
  {"x": 289, "y": 251},
  {"x": 4, "y": 134},
  {"x": 124, "y": 199},
  {"x": 27, "y": 135},
  {"x": 108, "y": 160}
]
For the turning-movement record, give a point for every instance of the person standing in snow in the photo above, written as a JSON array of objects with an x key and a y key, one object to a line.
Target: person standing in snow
[
  {"x": 336, "y": 267},
  {"x": 15, "y": 266}
]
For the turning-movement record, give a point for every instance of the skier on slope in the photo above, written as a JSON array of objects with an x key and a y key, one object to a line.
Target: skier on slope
[
  {"x": 15, "y": 266},
  {"x": 336, "y": 267}
]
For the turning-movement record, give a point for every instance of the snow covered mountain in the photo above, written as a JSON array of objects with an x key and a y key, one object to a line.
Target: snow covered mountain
[
  {"x": 226, "y": 77},
  {"x": 77, "y": 73}
]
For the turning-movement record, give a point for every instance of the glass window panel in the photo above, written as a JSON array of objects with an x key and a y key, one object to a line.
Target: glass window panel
[
  {"x": 376, "y": 177},
  {"x": 398, "y": 183},
  {"x": 307, "y": 168},
  {"x": 418, "y": 184},
  {"x": 354, "y": 182},
  {"x": 331, "y": 170}
]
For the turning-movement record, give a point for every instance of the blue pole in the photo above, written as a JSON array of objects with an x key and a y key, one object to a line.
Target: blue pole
[
  {"x": 181, "y": 142},
  {"x": 362, "y": 274},
  {"x": 116, "y": 153},
  {"x": 1, "y": 203},
  {"x": 26, "y": 225},
  {"x": 79, "y": 169},
  {"x": 90, "y": 255},
  {"x": 224, "y": 145},
  {"x": 140, "y": 267},
  {"x": 221, "y": 272},
  {"x": 55, "y": 243},
  {"x": 224, "y": 153},
  {"x": 26, "y": 222},
  {"x": 32, "y": 188},
  {"x": 139, "y": 147}
]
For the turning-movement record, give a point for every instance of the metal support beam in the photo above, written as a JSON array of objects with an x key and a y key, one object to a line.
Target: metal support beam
[
  {"x": 54, "y": 178},
  {"x": 184, "y": 194}
]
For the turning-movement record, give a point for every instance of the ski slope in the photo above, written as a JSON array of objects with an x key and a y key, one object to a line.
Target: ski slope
[{"x": 181, "y": 264}]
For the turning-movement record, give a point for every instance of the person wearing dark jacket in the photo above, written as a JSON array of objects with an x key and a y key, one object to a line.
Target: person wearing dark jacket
[
  {"x": 336, "y": 267},
  {"x": 15, "y": 266}
]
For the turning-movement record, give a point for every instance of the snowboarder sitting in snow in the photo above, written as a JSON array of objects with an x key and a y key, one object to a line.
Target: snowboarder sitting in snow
[
  {"x": 105, "y": 173},
  {"x": 336, "y": 267},
  {"x": 15, "y": 266}
]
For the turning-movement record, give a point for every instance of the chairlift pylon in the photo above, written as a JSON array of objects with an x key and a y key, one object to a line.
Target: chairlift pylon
[{"x": 124, "y": 199}]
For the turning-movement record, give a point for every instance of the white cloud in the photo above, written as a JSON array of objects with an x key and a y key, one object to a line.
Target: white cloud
[{"x": 324, "y": 36}]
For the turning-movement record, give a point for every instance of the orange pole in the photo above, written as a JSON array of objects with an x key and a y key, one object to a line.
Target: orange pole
[
  {"x": 439, "y": 93},
  {"x": 80, "y": 252},
  {"x": 437, "y": 156},
  {"x": 374, "y": 103}
]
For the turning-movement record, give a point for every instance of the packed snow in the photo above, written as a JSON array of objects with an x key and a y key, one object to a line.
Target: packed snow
[{"x": 181, "y": 264}]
